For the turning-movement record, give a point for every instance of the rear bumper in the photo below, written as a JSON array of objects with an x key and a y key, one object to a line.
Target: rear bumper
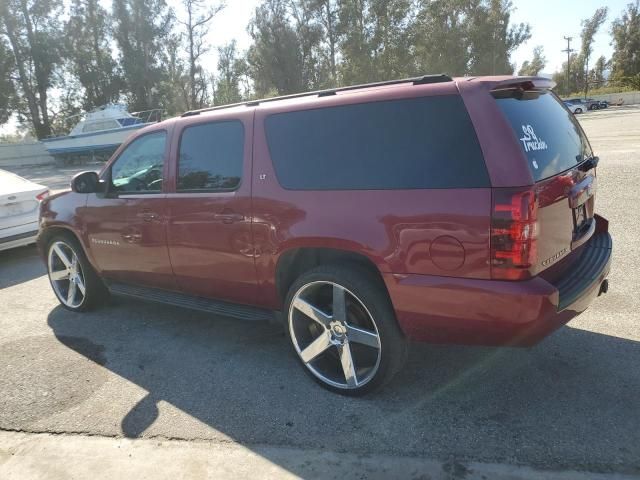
[
  {"x": 18, "y": 236},
  {"x": 487, "y": 312}
]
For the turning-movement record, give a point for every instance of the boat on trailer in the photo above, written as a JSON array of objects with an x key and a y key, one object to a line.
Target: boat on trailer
[{"x": 99, "y": 133}]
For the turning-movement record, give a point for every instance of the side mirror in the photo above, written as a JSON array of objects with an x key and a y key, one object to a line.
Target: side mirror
[{"x": 86, "y": 182}]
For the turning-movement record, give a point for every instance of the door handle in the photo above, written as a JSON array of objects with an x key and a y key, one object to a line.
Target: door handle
[
  {"x": 132, "y": 237},
  {"x": 228, "y": 217},
  {"x": 148, "y": 215}
]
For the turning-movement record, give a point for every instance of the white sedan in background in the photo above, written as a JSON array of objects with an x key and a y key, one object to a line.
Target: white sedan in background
[
  {"x": 576, "y": 106},
  {"x": 19, "y": 206}
]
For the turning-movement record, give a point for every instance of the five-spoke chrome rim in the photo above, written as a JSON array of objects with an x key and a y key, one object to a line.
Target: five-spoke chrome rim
[
  {"x": 334, "y": 334},
  {"x": 65, "y": 273}
]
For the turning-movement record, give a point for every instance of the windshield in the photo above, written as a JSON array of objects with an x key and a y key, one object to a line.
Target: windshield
[{"x": 548, "y": 133}]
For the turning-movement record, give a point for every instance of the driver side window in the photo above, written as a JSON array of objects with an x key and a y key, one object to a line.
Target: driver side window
[{"x": 139, "y": 167}]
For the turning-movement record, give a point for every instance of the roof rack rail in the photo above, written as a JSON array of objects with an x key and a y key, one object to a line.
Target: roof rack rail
[{"x": 425, "y": 79}]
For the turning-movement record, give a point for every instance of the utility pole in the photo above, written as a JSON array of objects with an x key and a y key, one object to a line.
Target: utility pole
[{"x": 569, "y": 50}]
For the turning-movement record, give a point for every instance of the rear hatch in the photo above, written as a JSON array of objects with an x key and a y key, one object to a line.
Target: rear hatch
[{"x": 558, "y": 210}]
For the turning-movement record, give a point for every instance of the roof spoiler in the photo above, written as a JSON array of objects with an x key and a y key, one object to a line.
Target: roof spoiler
[{"x": 525, "y": 83}]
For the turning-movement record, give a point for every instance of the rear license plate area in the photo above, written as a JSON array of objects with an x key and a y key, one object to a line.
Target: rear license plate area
[
  {"x": 15, "y": 209},
  {"x": 580, "y": 218}
]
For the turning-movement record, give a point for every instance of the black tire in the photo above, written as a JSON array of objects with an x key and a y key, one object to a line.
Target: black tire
[
  {"x": 578, "y": 110},
  {"x": 96, "y": 292},
  {"x": 371, "y": 293}
]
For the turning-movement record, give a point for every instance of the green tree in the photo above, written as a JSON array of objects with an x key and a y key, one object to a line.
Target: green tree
[
  {"x": 66, "y": 106},
  {"x": 7, "y": 88},
  {"x": 142, "y": 28},
  {"x": 590, "y": 27},
  {"x": 375, "y": 43},
  {"x": 576, "y": 77},
  {"x": 625, "y": 32},
  {"x": 34, "y": 36},
  {"x": 274, "y": 58},
  {"x": 309, "y": 33},
  {"x": 231, "y": 69},
  {"x": 357, "y": 64},
  {"x": 391, "y": 40},
  {"x": 440, "y": 36},
  {"x": 88, "y": 35},
  {"x": 537, "y": 63},
  {"x": 466, "y": 37},
  {"x": 493, "y": 38},
  {"x": 596, "y": 75},
  {"x": 174, "y": 87},
  {"x": 199, "y": 15},
  {"x": 326, "y": 13}
]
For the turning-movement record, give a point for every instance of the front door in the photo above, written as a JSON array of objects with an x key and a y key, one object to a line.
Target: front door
[
  {"x": 126, "y": 225},
  {"x": 209, "y": 231}
]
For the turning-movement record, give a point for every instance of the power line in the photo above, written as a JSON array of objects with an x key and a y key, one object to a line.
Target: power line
[{"x": 569, "y": 51}]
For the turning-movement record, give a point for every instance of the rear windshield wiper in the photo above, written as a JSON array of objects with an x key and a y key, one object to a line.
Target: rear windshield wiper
[{"x": 588, "y": 164}]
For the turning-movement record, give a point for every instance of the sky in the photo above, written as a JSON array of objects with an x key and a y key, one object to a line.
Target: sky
[{"x": 550, "y": 20}]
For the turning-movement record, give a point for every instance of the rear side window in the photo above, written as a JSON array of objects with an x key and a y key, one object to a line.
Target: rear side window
[
  {"x": 426, "y": 142},
  {"x": 549, "y": 134},
  {"x": 211, "y": 157}
]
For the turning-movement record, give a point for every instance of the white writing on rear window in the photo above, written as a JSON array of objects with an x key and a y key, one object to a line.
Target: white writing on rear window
[{"x": 530, "y": 141}]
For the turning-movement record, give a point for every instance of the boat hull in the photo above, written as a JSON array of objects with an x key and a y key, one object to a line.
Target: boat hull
[{"x": 87, "y": 143}]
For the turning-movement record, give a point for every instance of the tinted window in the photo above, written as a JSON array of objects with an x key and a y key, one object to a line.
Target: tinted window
[
  {"x": 211, "y": 156},
  {"x": 424, "y": 142},
  {"x": 138, "y": 169},
  {"x": 549, "y": 135}
]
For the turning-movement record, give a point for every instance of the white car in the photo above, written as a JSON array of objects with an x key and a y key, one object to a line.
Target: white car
[
  {"x": 576, "y": 107},
  {"x": 19, "y": 206}
]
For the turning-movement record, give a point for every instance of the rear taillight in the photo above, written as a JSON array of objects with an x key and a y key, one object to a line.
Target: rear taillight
[
  {"x": 42, "y": 195},
  {"x": 514, "y": 232}
]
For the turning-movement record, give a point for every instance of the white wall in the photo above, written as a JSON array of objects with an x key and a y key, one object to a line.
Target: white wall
[
  {"x": 630, "y": 98},
  {"x": 22, "y": 154}
]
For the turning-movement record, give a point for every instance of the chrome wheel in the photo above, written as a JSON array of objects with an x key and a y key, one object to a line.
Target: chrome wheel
[
  {"x": 334, "y": 335},
  {"x": 66, "y": 275}
]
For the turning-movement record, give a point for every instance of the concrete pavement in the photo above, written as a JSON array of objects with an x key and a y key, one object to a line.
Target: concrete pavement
[{"x": 52, "y": 457}]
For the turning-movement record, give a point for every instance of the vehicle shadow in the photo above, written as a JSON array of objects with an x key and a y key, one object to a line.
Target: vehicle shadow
[
  {"x": 570, "y": 402},
  {"x": 20, "y": 265}
]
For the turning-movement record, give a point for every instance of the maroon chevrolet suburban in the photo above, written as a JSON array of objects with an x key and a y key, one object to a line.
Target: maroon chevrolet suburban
[{"x": 428, "y": 209}]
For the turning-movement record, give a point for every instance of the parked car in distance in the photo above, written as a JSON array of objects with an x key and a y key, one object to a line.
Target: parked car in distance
[
  {"x": 585, "y": 103},
  {"x": 19, "y": 202},
  {"x": 575, "y": 106},
  {"x": 592, "y": 103},
  {"x": 429, "y": 209}
]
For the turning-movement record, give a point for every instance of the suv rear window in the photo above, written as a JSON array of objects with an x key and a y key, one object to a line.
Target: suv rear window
[
  {"x": 548, "y": 133},
  {"x": 426, "y": 142}
]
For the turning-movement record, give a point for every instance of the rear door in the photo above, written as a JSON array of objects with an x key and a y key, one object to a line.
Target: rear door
[
  {"x": 209, "y": 207},
  {"x": 560, "y": 160}
]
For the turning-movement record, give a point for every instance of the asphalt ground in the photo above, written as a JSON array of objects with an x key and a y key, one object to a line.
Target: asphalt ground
[{"x": 135, "y": 370}]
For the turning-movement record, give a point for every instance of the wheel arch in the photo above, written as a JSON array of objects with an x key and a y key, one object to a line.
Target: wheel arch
[
  {"x": 294, "y": 262},
  {"x": 49, "y": 232}
]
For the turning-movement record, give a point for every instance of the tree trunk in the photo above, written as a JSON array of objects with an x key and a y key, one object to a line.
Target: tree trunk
[
  {"x": 41, "y": 129},
  {"x": 41, "y": 77},
  {"x": 192, "y": 61}
]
